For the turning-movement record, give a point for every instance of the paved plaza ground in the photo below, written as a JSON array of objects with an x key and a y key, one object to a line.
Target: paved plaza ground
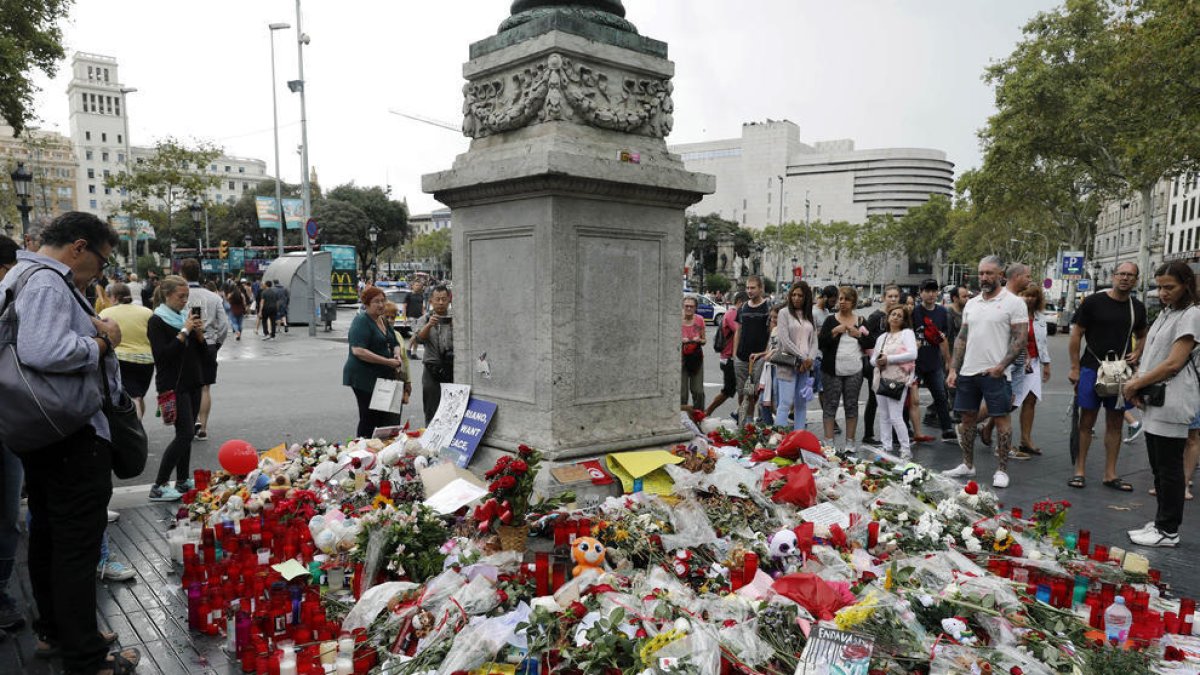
[{"x": 290, "y": 389}]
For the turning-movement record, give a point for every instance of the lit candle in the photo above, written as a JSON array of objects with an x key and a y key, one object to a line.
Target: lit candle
[
  {"x": 287, "y": 666},
  {"x": 345, "y": 644},
  {"x": 344, "y": 666}
]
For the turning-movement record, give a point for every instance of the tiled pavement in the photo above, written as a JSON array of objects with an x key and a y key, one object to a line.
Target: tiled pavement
[{"x": 147, "y": 613}]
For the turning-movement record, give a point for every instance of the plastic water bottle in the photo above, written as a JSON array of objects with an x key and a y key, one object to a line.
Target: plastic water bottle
[{"x": 1117, "y": 620}]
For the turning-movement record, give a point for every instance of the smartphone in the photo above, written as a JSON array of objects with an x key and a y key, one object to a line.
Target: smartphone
[{"x": 196, "y": 312}]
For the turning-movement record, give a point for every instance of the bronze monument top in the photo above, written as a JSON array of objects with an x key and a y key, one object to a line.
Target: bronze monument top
[{"x": 610, "y": 6}]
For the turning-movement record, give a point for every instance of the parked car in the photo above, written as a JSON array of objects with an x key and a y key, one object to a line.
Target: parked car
[{"x": 710, "y": 310}]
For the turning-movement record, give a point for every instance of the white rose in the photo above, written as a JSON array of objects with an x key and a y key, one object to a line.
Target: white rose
[
  {"x": 1035, "y": 555},
  {"x": 903, "y": 516},
  {"x": 967, "y": 532},
  {"x": 1001, "y": 533}
]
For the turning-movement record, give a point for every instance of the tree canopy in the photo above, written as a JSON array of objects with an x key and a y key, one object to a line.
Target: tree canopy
[{"x": 30, "y": 39}]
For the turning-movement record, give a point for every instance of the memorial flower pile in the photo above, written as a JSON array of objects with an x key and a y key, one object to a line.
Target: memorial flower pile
[{"x": 762, "y": 553}]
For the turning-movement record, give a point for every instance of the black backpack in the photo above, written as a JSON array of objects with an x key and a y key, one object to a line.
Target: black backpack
[{"x": 720, "y": 340}]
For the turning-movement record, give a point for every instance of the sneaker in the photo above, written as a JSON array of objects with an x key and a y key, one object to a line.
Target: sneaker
[
  {"x": 164, "y": 493},
  {"x": 11, "y": 618},
  {"x": 960, "y": 471},
  {"x": 1135, "y": 430},
  {"x": 870, "y": 440},
  {"x": 113, "y": 516},
  {"x": 183, "y": 486},
  {"x": 906, "y": 454},
  {"x": 201, "y": 435},
  {"x": 114, "y": 571},
  {"x": 1019, "y": 455},
  {"x": 1000, "y": 479},
  {"x": 1147, "y": 526},
  {"x": 1155, "y": 537},
  {"x": 949, "y": 436}
]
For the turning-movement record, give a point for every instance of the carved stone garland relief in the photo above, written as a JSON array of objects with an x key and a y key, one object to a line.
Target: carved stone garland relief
[{"x": 560, "y": 89}]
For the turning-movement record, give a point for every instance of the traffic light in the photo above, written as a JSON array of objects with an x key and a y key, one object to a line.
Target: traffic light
[{"x": 224, "y": 254}]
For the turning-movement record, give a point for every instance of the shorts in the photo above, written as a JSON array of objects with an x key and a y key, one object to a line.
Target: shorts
[
  {"x": 729, "y": 387},
  {"x": 208, "y": 368},
  {"x": 1195, "y": 423},
  {"x": 1085, "y": 393},
  {"x": 136, "y": 378},
  {"x": 974, "y": 389},
  {"x": 741, "y": 371}
]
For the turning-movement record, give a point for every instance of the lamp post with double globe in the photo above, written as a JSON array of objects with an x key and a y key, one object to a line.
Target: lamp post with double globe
[{"x": 22, "y": 182}]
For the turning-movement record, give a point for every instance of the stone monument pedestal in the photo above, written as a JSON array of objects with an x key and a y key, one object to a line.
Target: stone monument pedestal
[{"x": 567, "y": 228}]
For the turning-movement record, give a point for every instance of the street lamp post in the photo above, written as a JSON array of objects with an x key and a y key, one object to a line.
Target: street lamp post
[
  {"x": 758, "y": 259},
  {"x": 305, "y": 189},
  {"x": 22, "y": 181},
  {"x": 702, "y": 234},
  {"x": 197, "y": 211},
  {"x": 275, "y": 116},
  {"x": 373, "y": 236},
  {"x": 128, "y": 159}
]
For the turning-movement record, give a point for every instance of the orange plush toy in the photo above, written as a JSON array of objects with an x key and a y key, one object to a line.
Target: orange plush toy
[{"x": 588, "y": 554}]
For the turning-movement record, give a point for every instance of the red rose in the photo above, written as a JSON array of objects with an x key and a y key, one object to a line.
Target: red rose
[
  {"x": 519, "y": 466},
  {"x": 578, "y": 609},
  {"x": 971, "y": 488},
  {"x": 524, "y": 450},
  {"x": 507, "y": 482},
  {"x": 501, "y": 595},
  {"x": 1016, "y": 551},
  {"x": 504, "y": 461}
]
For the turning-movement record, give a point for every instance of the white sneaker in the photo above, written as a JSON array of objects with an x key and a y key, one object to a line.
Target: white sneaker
[
  {"x": 113, "y": 516},
  {"x": 906, "y": 454},
  {"x": 1135, "y": 430},
  {"x": 1155, "y": 537},
  {"x": 960, "y": 471},
  {"x": 114, "y": 571},
  {"x": 1147, "y": 526},
  {"x": 1000, "y": 479}
]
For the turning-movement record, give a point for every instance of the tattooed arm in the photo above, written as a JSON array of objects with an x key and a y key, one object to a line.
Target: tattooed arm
[
  {"x": 960, "y": 350},
  {"x": 1018, "y": 339}
]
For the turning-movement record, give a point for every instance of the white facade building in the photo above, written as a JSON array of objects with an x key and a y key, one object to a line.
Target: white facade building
[
  {"x": 1183, "y": 220},
  {"x": 428, "y": 222},
  {"x": 769, "y": 176},
  {"x": 100, "y": 134},
  {"x": 1119, "y": 233}
]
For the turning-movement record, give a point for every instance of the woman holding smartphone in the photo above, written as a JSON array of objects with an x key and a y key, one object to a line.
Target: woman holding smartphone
[{"x": 177, "y": 342}]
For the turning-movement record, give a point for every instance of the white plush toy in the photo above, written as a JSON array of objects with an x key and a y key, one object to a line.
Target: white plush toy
[
  {"x": 957, "y": 628},
  {"x": 785, "y": 551}
]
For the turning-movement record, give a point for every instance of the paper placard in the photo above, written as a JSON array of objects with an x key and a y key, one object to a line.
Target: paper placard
[
  {"x": 835, "y": 651},
  {"x": 447, "y": 418},
  {"x": 388, "y": 396},
  {"x": 290, "y": 569},
  {"x": 572, "y": 473},
  {"x": 826, "y": 514},
  {"x": 388, "y": 433},
  {"x": 475, "y": 421},
  {"x": 457, "y": 494}
]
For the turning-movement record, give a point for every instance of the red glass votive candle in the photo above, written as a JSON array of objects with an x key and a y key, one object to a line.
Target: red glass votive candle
[
  {"x": 1083, "y": 542},
  {"x": 1187, "y": 611},
  {"x": 1018, "y": 513},
  {"x": 1101, "y": 553},
  {"x": 1155, "y": 576}
]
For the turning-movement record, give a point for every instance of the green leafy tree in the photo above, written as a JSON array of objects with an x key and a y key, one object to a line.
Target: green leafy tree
[
  {"x": 30, "y": 40},
  {"x": 172, "y": 177},
  {"x": 434, "y": 246},
  {"x": 743, "y": 239},
  {"x": 389, "y": 217},
  {"x": 1096, "y": 84},
  {"x": 344, "y": 223}
]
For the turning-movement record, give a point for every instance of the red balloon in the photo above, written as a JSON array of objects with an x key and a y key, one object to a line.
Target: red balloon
[{"x": 237, "y": 457}]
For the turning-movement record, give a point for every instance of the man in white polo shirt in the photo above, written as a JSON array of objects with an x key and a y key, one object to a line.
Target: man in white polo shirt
[{"x": 994, "y": 332}]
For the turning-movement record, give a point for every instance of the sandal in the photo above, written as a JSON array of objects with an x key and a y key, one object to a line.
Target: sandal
[
  {"x": 1077, "y": 482},
  {"x": 1118, "y": 484},
  {"x": 1031, "y": 449},
  {"x": 123, "y": 662},
  {"x": 46, "y": 649}
]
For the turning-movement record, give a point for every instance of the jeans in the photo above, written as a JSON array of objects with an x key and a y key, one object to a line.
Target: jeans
[
  {"x": 935, "y": 381},
  {"x": 235, "y": 322},
  {"x": 818, "y": 387},
  {"x": 794, "y": 392},
  {"x": 1170, "y": 485},
  {"x": 178, "y": 455},
  {"x": 69, "y": 484},
  {"x": 891, "y": 419},
  {"x": 11, "y": 476}
]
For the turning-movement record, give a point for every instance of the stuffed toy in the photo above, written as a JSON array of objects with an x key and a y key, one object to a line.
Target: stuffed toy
[{"x": 588, "y": 554}]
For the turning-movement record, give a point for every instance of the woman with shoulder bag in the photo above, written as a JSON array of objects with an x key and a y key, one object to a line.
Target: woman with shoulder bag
[
  {"x": 895, "y": 356},
  {"x": 842, "y": 341},
  {"x": 373, "y": 355},
  {"x": 794, "y": 358},
  {"x": 691, "y": 379},
  {"x": 177, "y": 343},
  {"x": 1167, "y": 387}
]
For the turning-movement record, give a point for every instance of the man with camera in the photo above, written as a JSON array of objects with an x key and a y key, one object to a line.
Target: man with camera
[
  {"x": 435, "y": 331},
  {"x": 1109, "y": 320}
]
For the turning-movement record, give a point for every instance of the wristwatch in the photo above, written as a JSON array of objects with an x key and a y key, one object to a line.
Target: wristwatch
[{"x": 106, "y": 340}]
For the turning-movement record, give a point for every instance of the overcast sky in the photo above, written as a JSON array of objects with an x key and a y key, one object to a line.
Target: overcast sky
[{"x": 886, "y": 73}]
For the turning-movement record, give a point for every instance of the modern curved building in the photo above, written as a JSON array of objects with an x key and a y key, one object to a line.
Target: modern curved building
[{"x": 769, "y": 176}]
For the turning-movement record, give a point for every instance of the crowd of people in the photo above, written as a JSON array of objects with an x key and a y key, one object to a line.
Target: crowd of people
[{"x": 983, "y": 359}]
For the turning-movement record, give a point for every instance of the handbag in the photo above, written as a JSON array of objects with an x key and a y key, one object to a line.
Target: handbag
[
  {"x": 890, "y": 388},
  {"x": 1154, "y": 394},
  {"x": 782, "y": 358},
  {"x": 128, "y": 442},
  {"x": 39, "y": 408},
  {"x": 1114, "y": 371}
]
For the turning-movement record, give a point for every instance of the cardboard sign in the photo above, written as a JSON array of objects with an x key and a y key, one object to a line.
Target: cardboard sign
[
  {"x": 475, "y": 421},
  {"x": 448, "y": 417},
  {"x": 835, "y": 651},
  {"x": 646, "y": 465}
]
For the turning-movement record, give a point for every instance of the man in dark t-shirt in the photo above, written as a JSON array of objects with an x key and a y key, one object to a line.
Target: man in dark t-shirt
[
  {"x": 931, "y": 323},
  {"x": 1107, "y": 322},
  {"x": 753, "y": 331}
]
